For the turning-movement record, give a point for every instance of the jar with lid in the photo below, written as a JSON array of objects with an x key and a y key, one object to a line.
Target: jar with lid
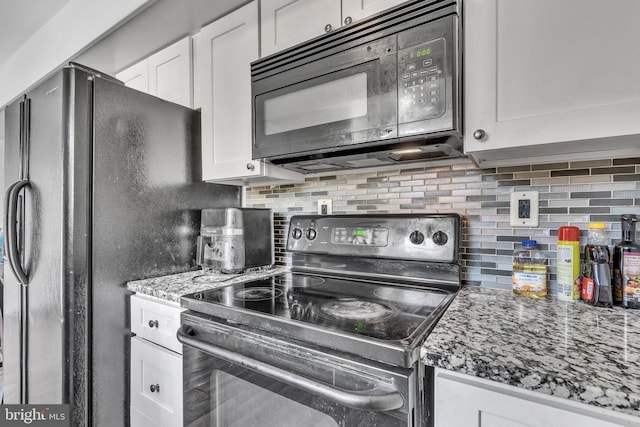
[{"x": 529, "y": 271}]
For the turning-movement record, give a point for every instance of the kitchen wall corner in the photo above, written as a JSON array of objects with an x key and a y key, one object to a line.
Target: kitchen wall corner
[{"x": 571, "y": 193}]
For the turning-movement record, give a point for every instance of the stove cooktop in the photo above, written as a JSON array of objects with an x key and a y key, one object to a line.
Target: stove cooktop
[{"x": 337, "y": 312}]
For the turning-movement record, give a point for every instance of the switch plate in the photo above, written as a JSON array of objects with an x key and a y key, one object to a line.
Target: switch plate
[
  {"x": 325, "y": 207},
  {"x": 524, "y": 209}
]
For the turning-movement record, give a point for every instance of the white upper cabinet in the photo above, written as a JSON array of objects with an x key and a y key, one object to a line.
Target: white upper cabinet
[
  {"x": 224, "y": 53},
  {"x": 544, "y": 79},
  {"x": 167, "y": 74},
  {"x": 136, "y": 76},
  {"x": 285, "y": 23},
  {"x": 171, "y": 73},
  {"x": 352, "y": 10}
]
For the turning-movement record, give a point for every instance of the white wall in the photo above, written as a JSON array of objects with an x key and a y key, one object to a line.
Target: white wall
[{"x": 70, "y": 31}]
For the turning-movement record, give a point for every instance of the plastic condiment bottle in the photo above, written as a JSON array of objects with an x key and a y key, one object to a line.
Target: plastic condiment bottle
[
  {"x": 596, "y": 278},
  {"x": 626, "y": 265},
  {"x": 529, "y": 271},
  {"x": 568, "y": 263}
]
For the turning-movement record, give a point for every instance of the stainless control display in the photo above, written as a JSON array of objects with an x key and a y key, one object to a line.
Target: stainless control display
[
  {"x": 424, "y": 237},
  {"x": 360, "y": 236},
  {"x": 422, "y": 82}
]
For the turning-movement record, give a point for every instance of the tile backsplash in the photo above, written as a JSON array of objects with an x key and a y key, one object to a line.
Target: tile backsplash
[{"x": 571, "y": 193}]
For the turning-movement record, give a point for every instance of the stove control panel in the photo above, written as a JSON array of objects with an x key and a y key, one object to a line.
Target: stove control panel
[
  {"x": 427, "y": 237},
  {"x": 359, "y": 236}
]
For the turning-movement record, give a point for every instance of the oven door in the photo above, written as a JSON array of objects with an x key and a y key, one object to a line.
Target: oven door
[
  {"x": 237, "y": 377},
  {"x": 328, "y": 104}
]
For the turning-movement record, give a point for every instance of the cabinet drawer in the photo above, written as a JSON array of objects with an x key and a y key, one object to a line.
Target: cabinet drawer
[
  {"x": 156, "y": 321},
  {"x": 138, "y": 419},
  {"x": 156, "y": 383}
]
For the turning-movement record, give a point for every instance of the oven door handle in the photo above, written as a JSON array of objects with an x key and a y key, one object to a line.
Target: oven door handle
[{"x": 374, "y": 399}]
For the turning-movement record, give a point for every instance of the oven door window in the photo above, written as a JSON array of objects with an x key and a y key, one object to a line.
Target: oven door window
[
  {"x": 238, "y": 402},
  {"x": 233, "y": 377},
  {"x": 349, "y": 106}
]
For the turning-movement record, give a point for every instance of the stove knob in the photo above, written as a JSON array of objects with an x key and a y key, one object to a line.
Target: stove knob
[
  {"x": 311, "y": 233},
  {"x": 439, "y": 238},
  {"x": 416, "y": 237},
  {"x": 296, "y": 233}
]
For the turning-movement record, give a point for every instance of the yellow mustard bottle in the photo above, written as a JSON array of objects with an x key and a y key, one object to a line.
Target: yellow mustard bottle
[{"x": 529, "y": 271}]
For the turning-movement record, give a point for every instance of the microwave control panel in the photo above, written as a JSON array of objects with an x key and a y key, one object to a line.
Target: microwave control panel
[{"x": 422, "y": 81}]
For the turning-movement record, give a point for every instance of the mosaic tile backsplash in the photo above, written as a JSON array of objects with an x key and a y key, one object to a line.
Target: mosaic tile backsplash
[{"x": 571, "y": 193}]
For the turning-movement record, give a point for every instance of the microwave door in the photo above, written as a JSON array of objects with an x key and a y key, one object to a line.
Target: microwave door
[{"x": 334, "y": 110}]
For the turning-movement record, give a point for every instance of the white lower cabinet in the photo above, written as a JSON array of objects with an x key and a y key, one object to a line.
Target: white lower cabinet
[
  {"x": 156, "y": 369},
  {"x": 463, "y": 400}
]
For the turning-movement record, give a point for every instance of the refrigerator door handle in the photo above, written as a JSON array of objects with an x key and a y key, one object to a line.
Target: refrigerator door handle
[
  {"x": 7, "y": 222},
  {"x": 11, "y": 227}
]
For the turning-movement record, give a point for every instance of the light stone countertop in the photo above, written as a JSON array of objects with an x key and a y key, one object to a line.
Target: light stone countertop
[
  {"x": 174, "y": 286},
  {"x": 566, "y": 349}
]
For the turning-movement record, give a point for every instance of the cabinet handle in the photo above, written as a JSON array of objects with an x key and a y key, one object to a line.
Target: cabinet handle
[
  {"x": 154, "y": 388},
  {"x": 327, "y": 28},
  {"x": 348, "y": 20},
  {"x": 153, "y": 323},
  {"x": 250, "y": 166},
  {"x": 479, "y": 134}
]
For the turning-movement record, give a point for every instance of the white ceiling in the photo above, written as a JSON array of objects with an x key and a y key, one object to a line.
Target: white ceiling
[
  {"x": 21, "y": 18},
  {"x": 155, "y": 27},
  {"x": 162, "y": 23}
]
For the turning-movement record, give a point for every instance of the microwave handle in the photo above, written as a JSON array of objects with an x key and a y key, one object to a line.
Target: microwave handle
[{"x": 373, "y": 399}]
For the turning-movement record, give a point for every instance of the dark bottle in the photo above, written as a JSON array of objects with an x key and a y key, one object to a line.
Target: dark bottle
[{"x": 626, "y": 265}]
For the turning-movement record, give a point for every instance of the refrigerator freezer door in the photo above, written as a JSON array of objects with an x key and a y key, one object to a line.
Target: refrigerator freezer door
[{"x": 146, "y": 202}]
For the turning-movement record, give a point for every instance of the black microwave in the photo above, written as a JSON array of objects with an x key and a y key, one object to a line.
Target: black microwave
[{"x": 383, "y": 90}]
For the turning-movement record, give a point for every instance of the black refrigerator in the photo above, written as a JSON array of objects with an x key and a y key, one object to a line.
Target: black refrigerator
[{"x": 103, "y": 186}]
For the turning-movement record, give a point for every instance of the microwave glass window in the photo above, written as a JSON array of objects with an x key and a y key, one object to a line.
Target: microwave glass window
[{"x": 336, "y": 100}]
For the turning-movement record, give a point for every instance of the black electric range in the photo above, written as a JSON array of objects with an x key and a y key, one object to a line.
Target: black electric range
[{"x": 365, "y": 285}]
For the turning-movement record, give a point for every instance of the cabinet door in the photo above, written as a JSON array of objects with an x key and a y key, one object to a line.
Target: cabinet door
[
  {"x": 156, "y": 383},
  {"x": 285, "y": 23},
  {"x": 462, "y": 400},
  {"x": 171, "y": 75},
  {"x": 225, "y": 51},
  {"x": 139, "y": 419},
  {"x": 544, "y": 78},
  {"x": 197, "y": 92},
  {"x": 136, "y": 76},
  {"x": 353, "y": 10}
]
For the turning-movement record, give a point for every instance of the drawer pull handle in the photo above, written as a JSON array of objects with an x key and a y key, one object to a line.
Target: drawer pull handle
[
  {"x": 154, "y": 388},
  {"x": 479, "y": 134},
  {"x": 153, "y": 323}
]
